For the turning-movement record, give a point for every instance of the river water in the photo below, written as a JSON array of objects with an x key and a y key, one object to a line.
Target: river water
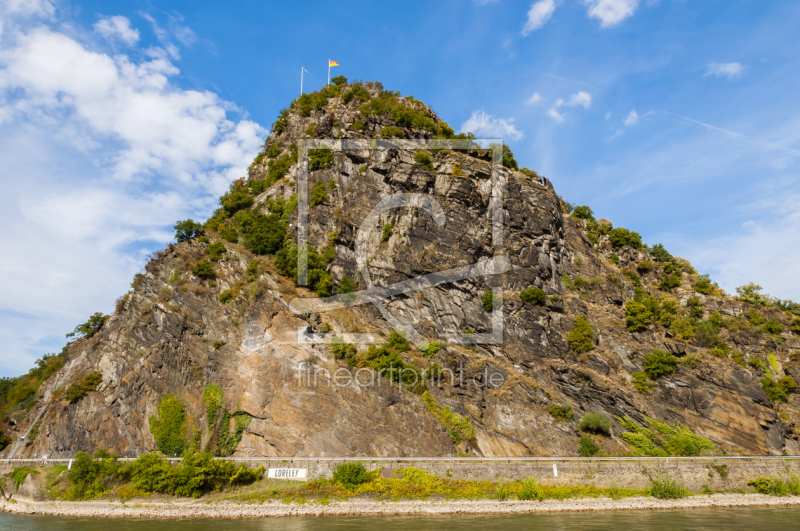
[{"x": 734, "y": 519}]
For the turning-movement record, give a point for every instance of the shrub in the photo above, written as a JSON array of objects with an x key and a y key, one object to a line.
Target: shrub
[
  {"x": 345, "y": 286},
  {"x": 582, "y": 283},
  {"x": 423, "y": 158},
  {"x": 226, "y": 296},
  {"x": 614, "y": 259},
  {"x": 666, "y": 488},
  {"x": 530, "y": 490},
  {"x": 659, "y": 253},
  {"x": 458, "y": 427},
  {"x": 507, "y": 159},
  {"x": 619, "y": 237},
  {"x": 351, "y": 475},
  {"x": 588, "y": 447},
  {"x": 659, "y": 363},
  {"x": 750, "y": 293},
  {"x": 429, "y": 350},
  {"x": 280, "y": 125},
  {"x": 187, "y": 229},
  {"x": 581, "y": 338},
  {"x": 671, "y": 281},
  {"x": 489, "y": 300},
  {"x": 215, "y": 250},
  {"x": 533, "y": 295},
  {"x": 583, "y": 212},
  {"x": 500, "y": 491},
  {"x": 204, "y": 270},
  {"x": 343, "y": 351},
  {"x": 595, "y": 423},
  {"x": 703, "y": 285},
  {"x": 695, "y": 307},
  {"x": 562, "y": 412},
  {"x": 90, "y": 327},
  {"x": 637, "y": 316},
  {"x": 357, "y": 92},
  {"x": 633, "y": 277},
  {"x": 253, "y": 270},
  {"x": 778, "y": 391},
  {"x": 320, "y": 158},
  {"x": 642, "y": 383},
  {"x": 392, "y": 132},
  {"x": 236, "y": 199},
  {"x": 339, "y": 80},
  {"x": 773, "y": 326},
  {"x": 311, "y": 130},
  {"x": 78, "y": 390},
  {"x": 796, "y": 325},
  {"x": 262, "y": 234},
  {"x": 388, "y": 230},
  {"x": 318, "y": 194},
  {"x": 644, "y": 267},
  {"x": 170, "y": 428}
]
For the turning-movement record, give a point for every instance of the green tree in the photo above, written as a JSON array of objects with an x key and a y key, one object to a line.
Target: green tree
[
  {"x": 660, "y": 253},
  {"x": 205, "y": 270},
  {"x": 187, "y": 229},
  {"x": 637, "y": 316},
  {"x": 659, "y": 363},
  {"x": 750, "y": 293},
  {"x": 581, "y": 338},
  {"x": 90, "y": 327},
  {"x": 320, "y": 158},
  {"x": 170, "y": 428},
  {"x": 533, "y": 295},
  {"x": 339, "y": 80},
  {"x": 588, "y": 447},
  {"x": 583, "y": 212},
  {"x": 318, "y": 194},
  {"x": 620, "y": 236}
]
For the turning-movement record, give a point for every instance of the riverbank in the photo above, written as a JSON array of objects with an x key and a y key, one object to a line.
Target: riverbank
[{"x": 354, "y": 507}]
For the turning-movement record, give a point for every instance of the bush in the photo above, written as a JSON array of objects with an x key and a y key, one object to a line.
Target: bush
[
  {"x": 659, "y": 363},
  {"x": 187, "y": 229},
  {"x": 773, "y": 326},
  {"x": 392, "y": 132},
  {"x": 78, "y": 390},
  {"x": 170, "y": 428},
  {"x": 614, "y": 259},
  {"x": 704, "y": 285},
  {"x": 581, "y": 338},
  {"x": 665, "y": 488},
  {"x": 637, "y": 316},
  {"x": 90, "y": 327},
  {"x": 642, "y": 383},
  {"x": 671, "y": 281},
  {"x": 226, "y": 296},
  {"x": 429, "y": 350},
  {"x": 659, "y": 253},
  {"x": 644, "y": 267},
  {"x": 583, "y": 212},
  {"x": 595, "y": 423},
  {"x": 778, "y": 391},
  {"x": 619, "y": 237},
  {"x": 533, "y": 295},
  {"x": 530, "y": 490},
  {"x": 320, "y": 158},
  {"x": 318, "y": 194},
  {"x": 342, "y": 350},
  {"x": 204, "y": 270},
  {"x": 489, "y": 300},
  {"x": 500, "y": 491},
  {"x": 236, "y": 199},
  {"x": 388, "y": 230},
  {"x": 262, "y": 234},
  {"x": 588, "y": 447},
  {"x": 351, "y": 475},
  {"x": 750, "y": 293},
  {"x": 215, "y": 250},
  {"x": 562, "y": 412},
  {"x": 339, "y": 80},
  {"x": 357, "y": 92},
  {"x": 507, "y": 158},
  {"x": 423, "y": 158}
]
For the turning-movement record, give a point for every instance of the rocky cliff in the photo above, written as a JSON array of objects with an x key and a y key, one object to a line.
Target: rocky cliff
[{"x": 220, "y": 341}]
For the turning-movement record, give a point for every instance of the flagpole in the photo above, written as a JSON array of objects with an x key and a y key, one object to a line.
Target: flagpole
[
  {"x": 302, "y": 68},
  {"x": 329, "y": 71}
]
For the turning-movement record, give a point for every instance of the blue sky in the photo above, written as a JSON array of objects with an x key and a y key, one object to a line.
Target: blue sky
[{"x": 675, "y": 118}]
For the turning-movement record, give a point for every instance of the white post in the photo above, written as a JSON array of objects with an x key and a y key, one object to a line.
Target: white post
[
  {"x": 329, "y": 71},
  {"x": 302, "y": 68}
]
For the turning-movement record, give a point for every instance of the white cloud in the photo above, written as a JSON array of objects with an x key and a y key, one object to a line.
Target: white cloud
[
  {"x": 632, "y": 118},
  {"x": 608, "y": 115},
  {"x": 611, "y": 12},
  {"x": 555, "y": 115},
  {"x": 117, "y": 28},
  {"x": 729, "y": 70},
  {"x": 536, "y": 98},
  {"x": 487, "y": 126},
  {"x": 538, "y": 15},
  {"x": 579, "y": 99},
  {"x": 101, "y": 155}
]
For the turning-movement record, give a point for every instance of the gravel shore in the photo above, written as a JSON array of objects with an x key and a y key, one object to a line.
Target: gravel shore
[{"x": 193, "y": 509}]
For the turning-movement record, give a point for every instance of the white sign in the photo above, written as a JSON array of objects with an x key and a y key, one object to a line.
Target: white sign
[
  {"x": 555, "y": 470},
  {"x": 287, "y": 473}
]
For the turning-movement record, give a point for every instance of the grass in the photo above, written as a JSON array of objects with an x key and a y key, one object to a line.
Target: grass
[{"x": 666, "y": 488}]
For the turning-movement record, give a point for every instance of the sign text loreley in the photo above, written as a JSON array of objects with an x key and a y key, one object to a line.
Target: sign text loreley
[{"x": 287, "y": 473}]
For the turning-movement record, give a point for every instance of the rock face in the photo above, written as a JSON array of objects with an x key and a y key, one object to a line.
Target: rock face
[{"x": 172, "y": 335}]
